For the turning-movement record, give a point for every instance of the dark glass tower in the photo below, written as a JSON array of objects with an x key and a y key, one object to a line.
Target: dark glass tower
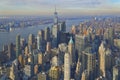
[{"x": 17, "y": 46}]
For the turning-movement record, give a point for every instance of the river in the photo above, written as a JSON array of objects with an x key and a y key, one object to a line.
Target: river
[{"x": 8, "y": 37}]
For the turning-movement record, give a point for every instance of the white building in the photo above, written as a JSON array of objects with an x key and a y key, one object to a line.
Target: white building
[{"x": 67, "y": 66}]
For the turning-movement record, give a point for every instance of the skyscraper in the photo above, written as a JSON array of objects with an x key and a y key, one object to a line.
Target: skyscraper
[
  {"x": 42, "y": 76},
  {"x": 78, "y": 70},
  {"x": 109, "y": 35},
  {"x": 71, "y": 50},
  {"x": 105, "y": 58},
  {"x": 55, "y": 33},
  {"x": 41, "y": 33},
  {"x": 85, "y": 75},
  {"x": 116, "y": 72},
  {"x": 47, "y": 34},
  {"x": 48, "y": 47},
  {"x": 40, "y": 58},
  {"x": 13, "y": 72},
  {"x": 62, "y": 26},
  {"x": 55, "y": 16},
  {"x": 10, "y": 51},
  {"x": 54, "y": 73},
  {"x": 18, "y": 51},
  {"x": 102, "y": 58},
  {"x": 80, "y": 43},
  {"x": 89, "y": 62},
  {"x": 31, "y": 39},
  {"x": 40, "y": 43},
  {"x": 26, "y": 51},
  {"x": 55, "y": 30},
  {"x": 67, "y": 68},
  {"x": 73, "y": 29}
]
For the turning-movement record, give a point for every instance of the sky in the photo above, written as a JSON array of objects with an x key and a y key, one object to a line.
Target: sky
[{"x": 64, "y": 7}]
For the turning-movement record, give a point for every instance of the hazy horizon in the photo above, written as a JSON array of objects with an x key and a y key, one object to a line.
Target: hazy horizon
[{"x": 64, "y": 7}]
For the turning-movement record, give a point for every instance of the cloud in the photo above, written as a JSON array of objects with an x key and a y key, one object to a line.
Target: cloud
[
  {"x": 62, "y": 5},
  {"x": 81, "y": 3}
]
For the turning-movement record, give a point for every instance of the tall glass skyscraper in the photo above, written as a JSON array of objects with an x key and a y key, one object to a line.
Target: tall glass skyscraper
[
  {"x": 55, "y": 16},
  {"x": 18, "y": 52}
]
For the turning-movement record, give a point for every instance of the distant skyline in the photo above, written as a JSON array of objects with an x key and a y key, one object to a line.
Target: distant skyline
[{"x": 64, "y": 7}]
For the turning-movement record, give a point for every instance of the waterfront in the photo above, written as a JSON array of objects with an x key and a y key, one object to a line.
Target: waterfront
[{"x": 8, "y": 37}]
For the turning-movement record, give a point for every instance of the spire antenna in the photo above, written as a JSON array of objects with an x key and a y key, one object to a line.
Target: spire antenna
[{"x": 55, "y": 8}]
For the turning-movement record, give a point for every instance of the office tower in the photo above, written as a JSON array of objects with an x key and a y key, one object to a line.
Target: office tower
[
  {"x": 55, "y": 35},
  {"x": 89, "y": 62},
  {"x": 41, "y": 33},
  {"x": 47, "y": 34},
  {"x": 55, "y": 61},
  {"x": 35, "y": 69},
  {"x": 80, "y": 44},
  {"x": 73, "y": 29},
  {"x": 71, "y": 50},
  {"x": 102, "y": 58},
  {"x": 85, "y": 33},
  {"x": 106, "y": 34},
  {"x": 31, "y": 39},
  {"x": 10, "y": 51},
  {"x": 54, "y": 73},
  {"x": 64, "y": 37},
  {"x": 85, "y": 75},
  {"x": 100, "y": 31},
  {"x": 30, "y": 49},
  {"x": 42, "y": 76},
  {"x": 63, "y": 47},
  {"x": 108, "y": 59},
  {"x": 13, "y": 75},
  {"x": 29, "y": 71},
  {"x": 55, "y": 16},
  {"x": 32, "y": 58},
  {"x": 117, "y": 43},
  {"x": 40, "y": 43},
  {"x": 89, "y": 34},
  {"x": 62, "y": 26},
  {"x": 84, "y": 59},
  {"x": 91, "y": 66},
  {"x": 40, "y": 58},
  {"x": 105, "y": 58},
  {"x": 35, "y": 56},
  {"x": 78, "y": 71},
  {"x": 21, "y": 60},
  {"x": 26, "y": 51},
  {"x": 109, "y": 35},
  {"x": 55, "y": 30},
  {"x": 48, "y": 47},
  {"x": 18, "y": 50},
  {"x": 89, "y": 30},
  {"x": 67, "y": 68},
  {"x": 23, "y": 43},
  {"x": 5, "y": 47},
  {"x": 116, "y": 72},
  {"x": 81, "y": 28}
]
